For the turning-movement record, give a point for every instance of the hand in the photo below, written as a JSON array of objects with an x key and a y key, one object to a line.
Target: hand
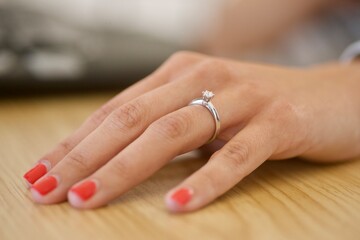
[{"x": 266, "y": 112}]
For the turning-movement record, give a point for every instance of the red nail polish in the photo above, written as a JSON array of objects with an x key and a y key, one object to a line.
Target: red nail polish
[
  {"x": 85, "y": 190},
  {"x": 46, "y": 185},
  {"x": 182, "y": 196},
  {"x": 35, "y": 173}
]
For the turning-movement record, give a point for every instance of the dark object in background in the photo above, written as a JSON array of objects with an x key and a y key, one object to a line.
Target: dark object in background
[
  {"x": 43, "y": 54},
  {"x": 49, "y": 45}
]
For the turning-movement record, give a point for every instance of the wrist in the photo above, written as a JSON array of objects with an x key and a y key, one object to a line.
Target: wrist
[
  {"x": 336, "y": 108},
  {"x": 346, "y": 77}
]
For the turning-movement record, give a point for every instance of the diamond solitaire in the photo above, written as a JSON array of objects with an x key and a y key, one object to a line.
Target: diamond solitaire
[{"x": 207, "y": 95}]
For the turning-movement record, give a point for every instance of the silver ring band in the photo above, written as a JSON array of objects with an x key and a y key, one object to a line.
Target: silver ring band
[{"x": 205, "y": 102}]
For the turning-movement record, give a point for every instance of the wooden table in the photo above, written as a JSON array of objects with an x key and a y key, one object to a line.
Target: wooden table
[{"x": 280, "y": 200}]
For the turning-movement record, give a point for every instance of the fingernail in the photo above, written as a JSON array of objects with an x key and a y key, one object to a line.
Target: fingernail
[
  {"x": 180, "y": 198},
  {"x": 37, "y": 172},
  {"x": 82, "y": 192},
  {"x": 44, "y": 186}
]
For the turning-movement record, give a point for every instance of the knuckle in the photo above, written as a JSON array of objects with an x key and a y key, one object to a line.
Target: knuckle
[
  {"x": 78, "y": 161},
  {"x": 180, "y": 56},
  {"x": 213, "y": 70},
  {"x": 178, "y": 63},
  {"x": 66, "y": 146},
  {"x": 120, "y": 167},
  {"x": 215, "y": 155},
  {"x": 252, "y": 88},
  {"x": 128, "y": 116},
  {"x": 212, "y": 184},
  {"x": 99, "y": 115},
  {"x": 172, "y": 126},
  {"x": 283, "y": 110},
  {"x": 213, "y": 63},
  {"x": 289, "y": 123},
  {"x": 282, "y": 105},
  {"x": 258, "y": 92},
  {"x": 237, "y": 153}
]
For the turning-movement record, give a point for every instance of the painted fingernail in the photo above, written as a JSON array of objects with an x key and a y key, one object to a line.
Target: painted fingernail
[
  {"x": 43, "y": 187},
  {"x": 37, "y": 171},
  {"x": 180, "y": 197},
  {"x": 82, "y": 192}
]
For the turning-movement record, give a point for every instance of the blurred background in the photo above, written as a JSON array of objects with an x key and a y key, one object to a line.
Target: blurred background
[{"x": 60, "y": 46}]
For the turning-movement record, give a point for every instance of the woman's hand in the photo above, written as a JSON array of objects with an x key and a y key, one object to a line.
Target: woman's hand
[{"x": 266, "y": 113}]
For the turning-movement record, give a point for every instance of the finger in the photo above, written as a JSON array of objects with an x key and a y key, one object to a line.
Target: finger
[
  {"x": 118, "y": 130},
  {"x": 238, "y": 158},
  {"x": 177, "y": 64},
  {"x": 175, "y": 133}
]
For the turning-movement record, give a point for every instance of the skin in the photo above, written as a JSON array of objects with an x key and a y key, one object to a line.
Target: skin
[
  {"x": 245, "y": 25},
  {"x": 267, "y": 112}
]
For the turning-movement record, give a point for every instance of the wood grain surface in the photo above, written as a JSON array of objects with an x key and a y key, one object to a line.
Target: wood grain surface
[{"x": 280, "y": 200}]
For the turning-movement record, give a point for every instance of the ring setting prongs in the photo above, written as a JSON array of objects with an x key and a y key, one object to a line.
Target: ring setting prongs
[{"x": 207, "y": 95}]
